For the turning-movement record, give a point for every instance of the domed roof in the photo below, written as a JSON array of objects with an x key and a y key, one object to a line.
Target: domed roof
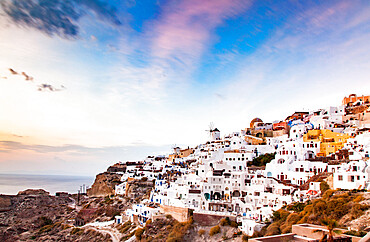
[{"x": 255, "y": 120}]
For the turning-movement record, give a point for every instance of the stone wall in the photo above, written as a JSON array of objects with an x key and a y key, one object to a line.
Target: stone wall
[
  {"x": 5, "y": 202},
  {"x": 178, "y": 213},
  {"x": 209, "y": 219},
  {"x": 276, "y": 238}
]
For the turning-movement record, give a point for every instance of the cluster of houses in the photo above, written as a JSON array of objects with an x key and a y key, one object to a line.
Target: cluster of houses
[{"x": 218, "y": 178}]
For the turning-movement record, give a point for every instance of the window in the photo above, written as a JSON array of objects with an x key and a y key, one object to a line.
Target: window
[{"x": 340, "y": 178}]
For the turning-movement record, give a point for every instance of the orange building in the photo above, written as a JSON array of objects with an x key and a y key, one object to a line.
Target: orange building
[
  {"x": 354, "y": 98},
  {"x": 297, "y": 116},
  {"x": 255, "y": 121},
  {"x": 330, "y": 142},
  {"x": 280, "y": 126},
  {"x": 186, "y": 152},
  {"x": 180, "y": 153},
  {"x": 251, "y": 140}
]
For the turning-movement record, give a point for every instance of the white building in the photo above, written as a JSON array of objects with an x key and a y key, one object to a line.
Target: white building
[{"x": 353, "y": 175}]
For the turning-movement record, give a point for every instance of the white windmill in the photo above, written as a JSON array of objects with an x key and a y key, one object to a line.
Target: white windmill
[{"x": 213, "y": 132}]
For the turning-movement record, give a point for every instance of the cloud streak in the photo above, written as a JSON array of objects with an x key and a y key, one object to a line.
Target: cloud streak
[
  {"x": 18, "y": 157},
  {"x": 57, "y": 17},
  {"x": 161, "y": 60},
  {"x": 184, "y": 31}
]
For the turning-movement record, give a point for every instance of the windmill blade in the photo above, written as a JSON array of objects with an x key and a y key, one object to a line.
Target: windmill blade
[{"x": 211, "y": 126}]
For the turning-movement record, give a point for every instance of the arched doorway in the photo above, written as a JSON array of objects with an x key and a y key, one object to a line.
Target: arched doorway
[
  {"x": 217, "y": 196},
  {"x": 236, "y": 193}
]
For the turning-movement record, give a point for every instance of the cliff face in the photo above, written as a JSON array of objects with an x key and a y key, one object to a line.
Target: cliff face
[
  {"x": 36, "y": 192},
  {"x": 139, "y": 189},
  {"x": 104, "y": 184}
]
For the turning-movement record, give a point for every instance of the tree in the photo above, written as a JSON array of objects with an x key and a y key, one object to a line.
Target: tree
[
  {"x": 262, "y": 160},
  {"x": 138, "y": 233},
  {"x": 330, "y": 224},
  {"x": 324, "y": 187}
]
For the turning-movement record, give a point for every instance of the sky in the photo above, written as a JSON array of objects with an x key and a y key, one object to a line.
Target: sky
[{"x": 87, "y": 83}]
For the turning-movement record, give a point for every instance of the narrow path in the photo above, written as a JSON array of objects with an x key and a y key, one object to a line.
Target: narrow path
[
  {"x": 133, "y": 238},
  {"x": 114, "y": 233}
]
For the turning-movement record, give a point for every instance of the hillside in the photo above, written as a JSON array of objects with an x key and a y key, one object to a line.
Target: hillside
[{"x": 348, "y": 208}]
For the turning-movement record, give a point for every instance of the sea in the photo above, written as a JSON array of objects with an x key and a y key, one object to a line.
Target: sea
[{"x": 11, "y": 184}]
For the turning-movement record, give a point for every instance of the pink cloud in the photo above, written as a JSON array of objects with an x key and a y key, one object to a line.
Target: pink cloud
[
  {"x": 185, "y": 28},
  {"x": 321, "y": 17}
]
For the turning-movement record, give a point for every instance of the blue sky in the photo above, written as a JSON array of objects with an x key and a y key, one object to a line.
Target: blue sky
[{"x": 120, "y": 80}]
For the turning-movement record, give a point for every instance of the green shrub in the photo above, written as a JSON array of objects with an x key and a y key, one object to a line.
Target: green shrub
[
  {"x": 328, "y": 194},
  {"x": 224, "y": 221},
  {"x": 262, "y": 160},
  {"x": 44, "y": 221},
  {"x": 233, "y": 224},
  {"x": 46, "y": 228},
  {"x": 214, "y": 230},
  {"x": 179, "y": 230},
  {"x": 138, "y": 233},
  {"x": 201, "y": 232},
  {"x": 227, "y": 222},
  {"x": 77, "y": 231},
  {"x": 273, "y": 229},
  {"x": 107, "y": 200},
  {"x": 296, "y": 207},
  {"x": 245, "y": 238},
  {"x": 123, "y": 229},
  {"x": 358, "y": 199},
  {"x": 356, "y": 233},
  {"x": 324, "y": 187}
]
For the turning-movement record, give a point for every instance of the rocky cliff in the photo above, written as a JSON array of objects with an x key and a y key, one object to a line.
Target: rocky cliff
[{"x": 104, "y": 184}]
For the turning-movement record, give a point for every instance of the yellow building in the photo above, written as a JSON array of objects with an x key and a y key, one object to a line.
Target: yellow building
[
  {"x": 180, "y": 154},
  {"x": 330, "y": 142},
  {"x": 251, "y": 140}
]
